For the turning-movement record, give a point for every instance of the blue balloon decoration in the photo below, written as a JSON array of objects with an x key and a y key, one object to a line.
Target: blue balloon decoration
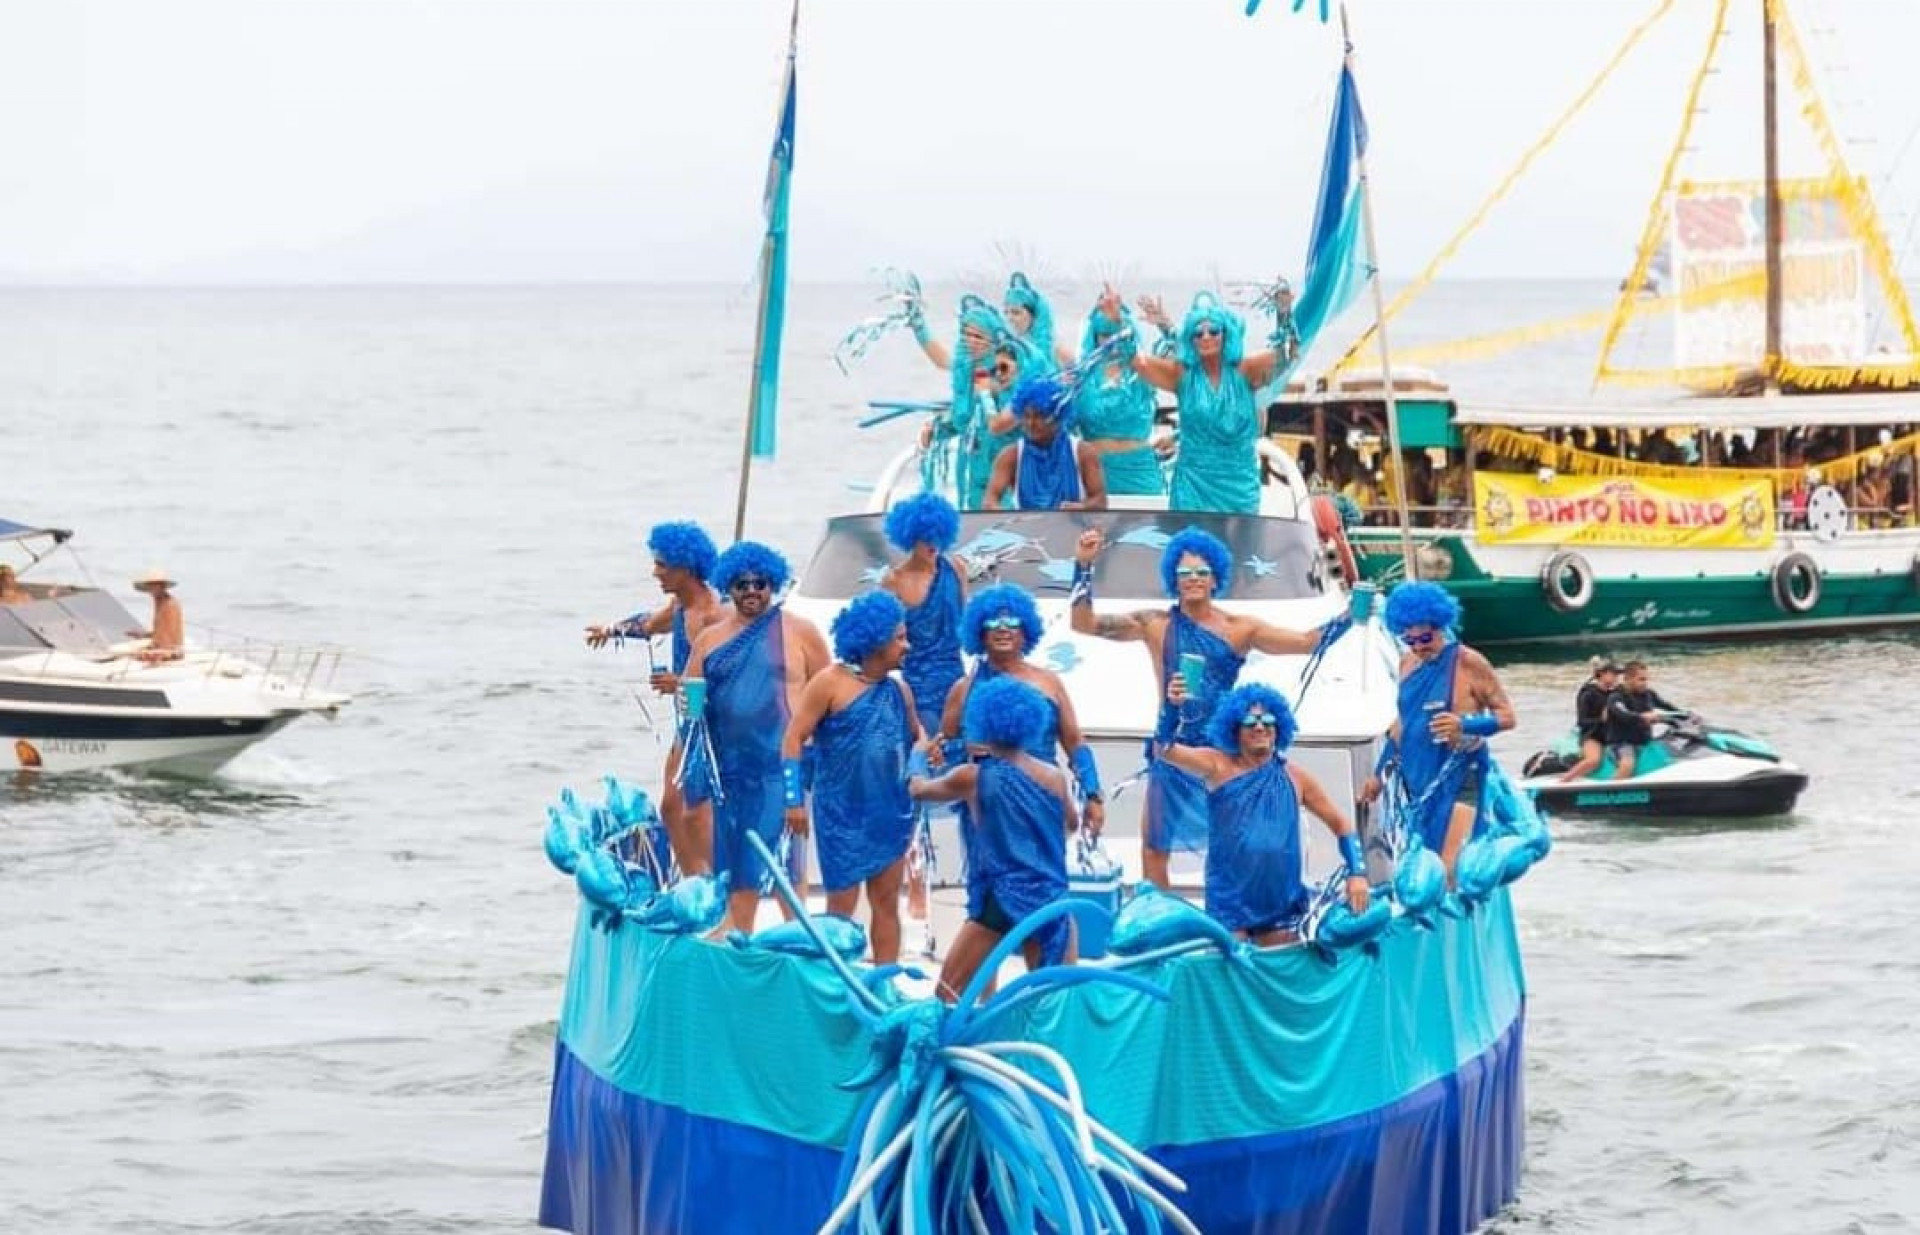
[
  {"x": 1340, "y": 927},
  {"x": 844, "y": 935},
  {"x": 695, "y": 905},
  {"x": 1419, "y": 881},
  {"x": 1152, "y": 920},
  {"x": 602, "y": 879},
  {"x": 564, "y": 840}
]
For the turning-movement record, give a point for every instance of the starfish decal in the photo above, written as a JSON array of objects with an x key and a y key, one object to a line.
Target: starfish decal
[
  {"x": 872, "y": 575},
  {"x": 1147, "y": 537},
  {"x": 1061, "y": 656},
  {"x": 1261, "y": 567}
]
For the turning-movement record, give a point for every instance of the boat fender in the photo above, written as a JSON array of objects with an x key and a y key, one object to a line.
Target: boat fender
[
  {"x": 1333, "y": 534},
  {"x": 1796, "y": 583},
  {"x": 1568, "y": 581},
  {"x": 1419, "y": 883}
]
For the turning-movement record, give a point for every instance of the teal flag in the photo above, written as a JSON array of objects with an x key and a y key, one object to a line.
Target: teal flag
[
  {"x": 773, "y": 265},
  {"x": 1338, "y": 264}
]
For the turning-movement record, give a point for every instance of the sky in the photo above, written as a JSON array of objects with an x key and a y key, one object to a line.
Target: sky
[{"x": 291, "y": 141}]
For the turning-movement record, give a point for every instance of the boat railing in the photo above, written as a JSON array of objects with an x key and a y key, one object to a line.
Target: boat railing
[
  {"x": 304, "y": 669},
  {"x": 297, "y": 671}
]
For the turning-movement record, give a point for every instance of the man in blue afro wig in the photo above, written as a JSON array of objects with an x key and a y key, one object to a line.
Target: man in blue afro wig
[
  {"x": 1253, "y": 879},
  {"x": 1451, "y": 702},
  {"x": 683, "y": 557},
  {"x": 752, "y": 666},
  {"x": 868, "y": 623},
  {"x": 1022, "y": 809},
  {"x": 1048, "y": 468},
  {"x": 932, "y": 584},
  {"x": 1198, "y": 640}
]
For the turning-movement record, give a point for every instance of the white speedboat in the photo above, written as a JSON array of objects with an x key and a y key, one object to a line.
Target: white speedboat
[
  {"x": 76, "y": 694},
  {"x": 1285, "y": 572}
]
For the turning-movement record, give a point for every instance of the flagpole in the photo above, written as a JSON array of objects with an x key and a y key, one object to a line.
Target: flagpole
[
  {"x": 1380, "y": 333},
  {"x": 768, "y": 253}
]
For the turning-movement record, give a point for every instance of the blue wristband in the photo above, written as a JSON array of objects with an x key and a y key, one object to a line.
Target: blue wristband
[
  {"x": 1480, "y": 724},
  {"x": 1350, "y": 851},
  {"x": 917, "y": 764},
  {"x": 953, "y": 751},
  {"x": 1087, "y": 772},
  {"x": 790, "y": 783},
  {"x": 1081, "y": 593}
]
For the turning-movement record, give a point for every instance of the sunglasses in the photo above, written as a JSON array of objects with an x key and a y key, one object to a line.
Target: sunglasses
[
  {"x": 1206, "y": 332},
  {"x": 1004, "y": 622},
  {"x": 1193, "y": 572},
  {"x": 1421, "y": 640},
  {"x": 750, "y": 583},
  {"x": 1259, "y": 720}
]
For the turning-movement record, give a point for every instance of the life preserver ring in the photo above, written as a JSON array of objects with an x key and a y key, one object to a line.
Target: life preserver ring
[
  {"x": 1568, "y": 581},
  {"x": 1333, "y": 533},
  {"x": 1796, "y": 583}
]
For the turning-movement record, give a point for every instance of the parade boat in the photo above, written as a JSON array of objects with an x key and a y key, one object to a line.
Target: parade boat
[
  {"x": 1545, "y": 541},
  {"x": 1772, "y": 494},
  {"x": 77, "y": 695},
  {"x": 1692, "y": 770}
]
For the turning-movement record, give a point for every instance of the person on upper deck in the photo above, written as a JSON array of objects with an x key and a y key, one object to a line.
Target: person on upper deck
[
  {"x": 1632, "y": 709},
  {"x": 1114, "y": 412},
  {"x": 986, "y": 362},
  {"x": 1048, "y": 468},
  {"x": 1590, "y": 716},
  {"x": 1216, "y": 468}
]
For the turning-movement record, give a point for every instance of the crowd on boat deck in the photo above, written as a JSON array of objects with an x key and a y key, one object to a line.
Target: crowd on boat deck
[
  {"x": 792, "y": 734},
  {"x": 1034, "y": 424},
  {"x": 1614, "y": 715}
]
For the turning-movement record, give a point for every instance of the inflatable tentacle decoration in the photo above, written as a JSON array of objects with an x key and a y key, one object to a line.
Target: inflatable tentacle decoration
[{"x": 1330, "y": 634}]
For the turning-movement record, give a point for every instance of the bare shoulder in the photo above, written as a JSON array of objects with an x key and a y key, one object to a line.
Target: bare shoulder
[{"x": 1475, "y": 662}]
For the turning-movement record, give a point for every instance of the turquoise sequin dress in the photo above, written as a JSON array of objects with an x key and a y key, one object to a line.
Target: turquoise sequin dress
[
  {"x": 1109, "y": 409},
  {"x": 1216, "y": 469}
]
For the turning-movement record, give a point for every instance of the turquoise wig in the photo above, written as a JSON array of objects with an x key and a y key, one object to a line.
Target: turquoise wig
[
  {"x": 1005, "y": 712},
  {"x": 1099, "y": 324},
  {"x": 923, "y": 519},
  {"x": 1022, "y": 294},
  {"x": 1208, "y": 307},
  {"x": 1422, "y": 604},
  {"x": 1000, "y": 600},
  {"x": 1204, "y": 545},
  {"x": 1223, "y": 729},
  {"x": 683, "y": 545},
  {"x": 866, "y": 625},
  {"x": 750, "y": 557},
  {"x": 983, "y": 317}
]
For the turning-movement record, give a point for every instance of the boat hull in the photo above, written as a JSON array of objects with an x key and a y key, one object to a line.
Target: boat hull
[
  {"x": 1652, "y": 595},
  {"x": 1759, "y": 794},
  {"x": 695, "y": 1084},
  {"x": 72, "y": 742}
]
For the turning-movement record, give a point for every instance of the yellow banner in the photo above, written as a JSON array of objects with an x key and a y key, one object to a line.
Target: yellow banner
[{"x": 1650, "y": 512}]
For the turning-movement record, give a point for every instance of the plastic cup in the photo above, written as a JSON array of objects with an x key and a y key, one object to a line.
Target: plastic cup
[
  {"x": 1360, "y": 602},
  {"x": 1193, "y": 672},
  {"x": 694, "y": 690}
]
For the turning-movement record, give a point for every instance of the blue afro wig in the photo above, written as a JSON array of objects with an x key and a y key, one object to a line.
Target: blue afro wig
[
  {"x": 1421, "y": 604},
  {"x": 685, "y": 545},
  {"x": 1203, "y": 545},
  {"x": 1223, "y": 728},
  {"x": 996, "y": 601},
  {"x": 1004, "y": 712},
  {"x": 865, "y": 625},
  {"x": 923, "y": 519},
  {"x": 750, "y": 557},
  {"x": 1046, "y": 396},
  {"x": 1209, "y": 309}
]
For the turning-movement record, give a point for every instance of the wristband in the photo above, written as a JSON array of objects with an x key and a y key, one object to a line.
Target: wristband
[
  {"x": 917, "y": 765},
  {"x": 790, "y": 783},
  {"x": 921, "y": 334},
  {"x": 1081, "y": 593},
  {"x": 1480, "y": 724},
  {"x": 953, "y": 750},
  {"x": 1350, "y": 852},
  {"x": 1086, "y": 772}
]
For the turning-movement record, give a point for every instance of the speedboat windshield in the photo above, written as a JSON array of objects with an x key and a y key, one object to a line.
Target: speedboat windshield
[{"x": 1273, "y": 559}]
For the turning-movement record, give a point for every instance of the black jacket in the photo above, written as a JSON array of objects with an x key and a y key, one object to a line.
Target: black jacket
[{"x": 1623, "y": 723}]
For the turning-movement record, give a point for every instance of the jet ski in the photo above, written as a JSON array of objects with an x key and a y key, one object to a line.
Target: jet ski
[{"x": 1691, "y": 769}]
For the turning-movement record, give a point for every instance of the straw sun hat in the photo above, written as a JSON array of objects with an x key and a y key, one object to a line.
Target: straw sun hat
[{"x": 154, "y": 578}]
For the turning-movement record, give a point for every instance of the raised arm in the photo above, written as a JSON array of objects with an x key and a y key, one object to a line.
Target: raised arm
[
  {"x": 1205, "y": 762},
  {"x": 1123, "y": 628},
  {"x": 1160, "y": 372},
  {"x": 1278, "y": 640}
]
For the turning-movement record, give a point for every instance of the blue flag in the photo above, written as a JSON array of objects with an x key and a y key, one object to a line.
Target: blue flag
[
  {"x": 773, "y": 266},
  {"x": 1337, "y": 262}
]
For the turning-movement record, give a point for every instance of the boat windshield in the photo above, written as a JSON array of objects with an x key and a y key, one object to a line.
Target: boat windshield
[{"x": 1273, "y": 559}]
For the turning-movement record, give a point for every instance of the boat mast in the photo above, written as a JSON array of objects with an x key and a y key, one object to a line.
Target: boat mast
[
  {"x": 1771, "y": 355},
  {"x": 1380, "y": 334}
]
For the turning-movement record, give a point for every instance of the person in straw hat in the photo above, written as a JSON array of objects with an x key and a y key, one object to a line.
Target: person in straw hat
[{"x": 167, "y": 640}]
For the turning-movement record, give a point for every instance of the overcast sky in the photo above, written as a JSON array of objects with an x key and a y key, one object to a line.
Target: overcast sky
[{"x": 480, "y": 140}]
